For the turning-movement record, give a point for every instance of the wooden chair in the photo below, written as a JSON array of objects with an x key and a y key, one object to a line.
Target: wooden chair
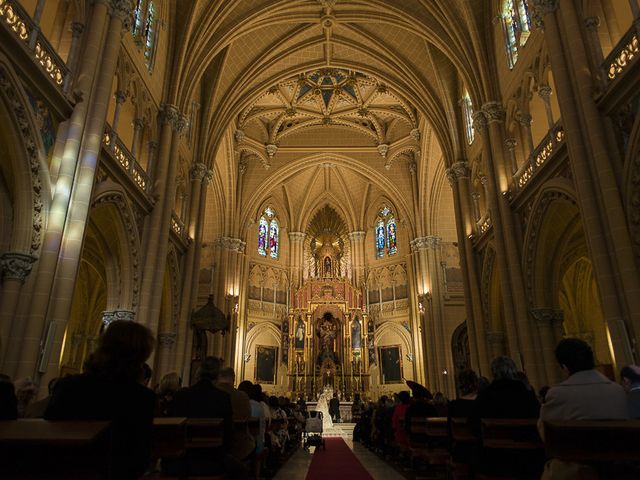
[{"x": 37, "y": 448}]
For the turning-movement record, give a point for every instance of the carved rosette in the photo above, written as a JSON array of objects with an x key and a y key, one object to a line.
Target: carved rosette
[
  {"x": 198, "y": 171},
  {"x": 458, "y": 170},
  {"x": 109, "y": 316},
  {"x": 16, "y": 266},
  {"x": 167, "y": 339}
]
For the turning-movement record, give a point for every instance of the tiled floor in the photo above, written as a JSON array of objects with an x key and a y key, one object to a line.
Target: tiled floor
[{"x": 298, "y": 465}]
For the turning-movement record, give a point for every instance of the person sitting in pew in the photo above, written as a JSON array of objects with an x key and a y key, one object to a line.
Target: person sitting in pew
[
  {"x": 630, "y": 379},
  {"x": 36, "y": 409},
  {"x": 462, "y": 407},
  {"x": 243, "y": 444},
  {"x": 109, "y": 389},
  {"x": 8, "y": 400},
  {"x": 585, "y": 395}
]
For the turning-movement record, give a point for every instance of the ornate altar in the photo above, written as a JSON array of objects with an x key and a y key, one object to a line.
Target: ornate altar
[{"x": 327, "y": 333}]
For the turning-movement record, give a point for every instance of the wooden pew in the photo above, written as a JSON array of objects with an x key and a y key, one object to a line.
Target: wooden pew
[
  {"x": 593, "y": 441},
  {"x": 463, "y": 443},
  {"x": 169, "y": 437},
  {"x": 37, "y": 448},
  {"x": 432, "y": 438}
]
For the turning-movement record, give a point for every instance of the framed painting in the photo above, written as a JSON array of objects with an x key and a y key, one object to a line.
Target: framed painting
[
  {"x": 266, "y": 364},
  {"x": 390, "y": 364}
]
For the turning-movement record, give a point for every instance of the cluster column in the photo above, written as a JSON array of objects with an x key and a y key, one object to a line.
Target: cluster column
[{"x": 358, "y": 257}]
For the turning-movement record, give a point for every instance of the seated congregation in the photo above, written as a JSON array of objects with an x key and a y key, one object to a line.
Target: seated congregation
[{"x": 115, "y": 427}]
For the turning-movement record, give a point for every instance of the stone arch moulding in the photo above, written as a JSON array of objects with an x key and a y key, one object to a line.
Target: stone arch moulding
[
  {"x": 268, "y": 328},
  {"x": 557, "y": 189},
  {"x": 488, "y": 264},
  {"x": 632, "y": 187},
  {"x": 174, "y": 273},
  {"x": 396, "y": 330},
  {"x": 32, "y": 196},
  {"x": 110, "y": 194}
]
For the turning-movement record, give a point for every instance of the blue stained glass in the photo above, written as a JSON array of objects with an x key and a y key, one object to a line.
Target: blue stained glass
[
  {"x": 326, "y": 96},
  {"x": 262, "y": 237},
  {"x": 350, "y": 90},
  {"x": 303, "y": 89},
  {"x": 327, "y": 81},
  {"x": 380, "y": 239}
]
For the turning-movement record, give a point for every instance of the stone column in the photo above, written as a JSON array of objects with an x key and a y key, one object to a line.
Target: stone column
[
  {"x": 121, "y": 97},
  {"x": 14, "y": 269},
  {"x": 458, "y": 176},
  {"x": 511, "y": 143},
  {"x": 138, "y": 125},
  {"x": 35, "y": 31},
  {"x": 109, "y": 316},
  {"x": 26, "y": 337},
  {"x": 546, "y": 318},
  {"x": 151, "y": 164},
  {"x": 544, "y": 92},
  {"x": 596, "y": 57},
  {"x": 358, "y": 258},
  {"x": 524, "y": 120},
  {"x": 475, "y": 196},
  {"x": 77, "y": 30},
  {"x": 296, "y": 243},
  {"x": 602, "y": 213},
  {"x": 80, "y": 204}
]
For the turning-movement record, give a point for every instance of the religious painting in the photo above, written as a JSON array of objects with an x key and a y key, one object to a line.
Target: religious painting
[
  {"x": 390, "y": 364},
  {"x": 356, "y": 334},
  {"x": 299, "y": 334},
  {"x": 266, "y": 364}
]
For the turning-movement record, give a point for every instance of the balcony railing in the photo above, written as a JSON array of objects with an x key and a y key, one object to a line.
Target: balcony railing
[
  {"x": 126, "y": 159},
  {"x": 177, "y": 225},
  {"x": 14, "y": 17},
  {"x": 484, "y": 223},
  {"x": 625, "y": 52},
  {"x": 549, "y": 144}
]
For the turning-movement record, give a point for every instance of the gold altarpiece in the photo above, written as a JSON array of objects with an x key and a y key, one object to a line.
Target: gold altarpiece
[{"x": 328, "y": 339}]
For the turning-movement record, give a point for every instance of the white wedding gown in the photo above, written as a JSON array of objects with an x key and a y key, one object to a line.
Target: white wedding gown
[{"x": 323, "y": 407}]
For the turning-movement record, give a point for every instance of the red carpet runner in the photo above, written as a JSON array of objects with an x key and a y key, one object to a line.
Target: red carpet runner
[{"x": 336, "y": 462}]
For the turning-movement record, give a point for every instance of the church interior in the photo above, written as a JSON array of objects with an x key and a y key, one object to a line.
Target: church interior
[{"x": 343, "y": 194}]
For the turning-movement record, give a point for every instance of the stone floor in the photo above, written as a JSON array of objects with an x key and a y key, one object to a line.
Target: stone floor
[{"x": 297, "y": 466}]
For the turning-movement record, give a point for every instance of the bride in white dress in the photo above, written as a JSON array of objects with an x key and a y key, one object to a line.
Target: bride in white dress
[{"x": 323, "y": 406}]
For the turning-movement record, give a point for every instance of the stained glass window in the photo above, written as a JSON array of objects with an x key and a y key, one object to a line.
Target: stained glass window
[
  {"x": 380, "y": 239},
  {"x": 262, "y": 237},
  {"x": 385, "y": 233},
  {"x": 138, "y": 15},
  {"x": 517, "y": 27},
  {"x": 392, "y": 243},
  {"x": 150, "y": 28},
  {"x": 269, "y": 234},
  {"x": 467, "y": 109}
]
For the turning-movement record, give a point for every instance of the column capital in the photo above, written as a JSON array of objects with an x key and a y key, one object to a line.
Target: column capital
[
  {"x": 167, "y": 339},
  {"x": 357, "y": 235},
  {"x": 544, "y": 92},
  {"x": 16, "y": 266},
  {"x": 493, "y": 112},
  {"x": 458, "y": 170},
  {"x": 208, "y": 177},
  {"x": 383, "y": 149},
  {"x": 182, "y": 124},
  {"x": 510, "y": 143},
  {"x": 479, "y": 121},
  {"x": 109, "y": 316},
  {"x": 198, "y": 171},
  {"x": 545, "y": 7},
  {"x": 153, "y": 145},
  {"x": 544, "y": 315},
  {"x": 233, "y": 244},
  {"x": 120, "y": 96},
  {"x": 524, "y": 119},
  {"x": 415, "y": 134},
  {"x": 592, "y": 23},
  {"x": 77, "y": 29},
  {"x": 475, "y": 196},
  {"x": 138, "y": 123},
  {"x": 428, "y": 242},
  {"x": 122, "y": 9},
  {"x": 169, "y": 115},
  {"x": 297, "y": 236},
  {"x": 413, "y": 167}
]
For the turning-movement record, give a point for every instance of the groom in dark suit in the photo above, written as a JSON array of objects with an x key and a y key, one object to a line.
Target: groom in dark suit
[{"x": 334, "y": 408}]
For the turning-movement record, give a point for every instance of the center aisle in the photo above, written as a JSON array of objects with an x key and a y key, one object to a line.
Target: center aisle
[{"x": 336, "y": 461}]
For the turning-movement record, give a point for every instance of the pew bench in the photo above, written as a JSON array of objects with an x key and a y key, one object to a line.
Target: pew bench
[{"x": 429, "y": 439}]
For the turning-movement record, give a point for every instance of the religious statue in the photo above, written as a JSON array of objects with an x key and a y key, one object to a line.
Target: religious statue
[
  {"x": 299, "y": 338},
  {"x": 327, "y": 267},
  {"x": 327, "y": 332},
  {"x": 356, "y": 341}
]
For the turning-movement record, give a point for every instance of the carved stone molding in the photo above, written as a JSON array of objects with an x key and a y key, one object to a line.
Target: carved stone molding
[
  {"x": 592, "y": 23},
  {"x": 122, "y": 9},
  {"x": 415, "y": 134},
  {"x": 510, "y": 143},
  {"x": 138, "y": 123},
  {"x": 169, "y": 115},
  {"x": 16, "y": 266},
  {"x": 198, "y": 171},
  {"x": 413, "y": 167},
  {"x": 458, "y": 170},
  {"x": 33, "y": 154},
  {"x": 493, "y": 112},
  {"x": 297, "y": 236},
  {"x": 120, "y": 96},
  {"x": 109, "y": 316},
  {"x": 479, "y": 121},
  {"x": 544, "y": 92},
  {"x": 271, "y": 149},
  {"x": 208, "y": 178},
  {"x": 238, "y": 136},
  {"x": 357, "y": 235},
  {"x": 77, "y": 29},
  {"x": 525, "y": 119},
  {"x": 233, "y": 244},
  {"x": 421, "y": 243},
  {"x": 167, "y": 339},
  {"x": 547, "y": 315},
  {"x": 545, "y": 7},
  {"x": 383, "y": 149}
]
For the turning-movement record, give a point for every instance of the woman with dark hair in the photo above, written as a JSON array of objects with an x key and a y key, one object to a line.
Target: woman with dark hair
[{"x": 110, "y": 389}]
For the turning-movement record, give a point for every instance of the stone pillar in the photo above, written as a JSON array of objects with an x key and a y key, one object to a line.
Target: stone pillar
[
  {"x": 35, "y": 31},
  {"x": 121, "y": 97},
  {"x": 151, "y": 164},
  {"x": 596, "y": 57},
  {"x": 109, "y": 316},
  {"x": 544, "y": 92},
  {"x": 77, "y": 30},
  {"x": 166, "y": 342},
  {"x": 524, "y": 119},
  {"x": 78, "y": 214},
  {"x": 26, "y": 337},
  {"x": 138, "y": 125},
  {"x": 358, "y": 257},
  {"x": 296, "y": 258},
  {"x": 546, "y": 320},
  {"x": 511, "y": 143},
  {"x": 602, "y": 212},
  {"x": 475, "y": 196},
  {"x": 458, "y": 176},
  {"x": 14, "y": 269}
]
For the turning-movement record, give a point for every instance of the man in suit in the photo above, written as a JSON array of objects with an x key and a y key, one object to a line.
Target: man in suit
[
  {"x": 334, "y": 408},
  {"x": 585, "y": 395},
  {"x": 205, "y": 400},
  {"x": 243, "y": 444}
]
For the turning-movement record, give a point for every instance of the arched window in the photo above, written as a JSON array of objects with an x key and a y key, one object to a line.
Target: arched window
[
  {"x": 517, "y": 27},
  {"x": 138, "y": 18},
  {"x": 467, "y": 110},
  {"x": 385, "y": 233},
  {"x": 268, "y": 234}
]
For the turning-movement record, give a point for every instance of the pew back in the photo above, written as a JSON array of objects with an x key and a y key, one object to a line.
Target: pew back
[{"x": 512, "y": 434}]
